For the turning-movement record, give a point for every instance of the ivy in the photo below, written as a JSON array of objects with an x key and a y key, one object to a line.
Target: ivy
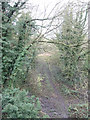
[
  {"x": 17, "y": 104},
  {"x": 73, "y": 34},
  {"x": 16, "y": 34}
]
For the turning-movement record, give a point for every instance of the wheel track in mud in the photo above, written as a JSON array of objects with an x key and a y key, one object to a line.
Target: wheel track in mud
[{"x": 55, "y": 104}]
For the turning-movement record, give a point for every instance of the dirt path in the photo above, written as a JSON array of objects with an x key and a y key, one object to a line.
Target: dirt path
[{"x": 52, "y": 101}]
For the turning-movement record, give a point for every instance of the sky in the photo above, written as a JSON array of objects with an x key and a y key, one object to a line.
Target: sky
[
  {"x": 46, "y": 2},
  {"x": 43, "y": 7},
  {"x": 51, "y": 3}
]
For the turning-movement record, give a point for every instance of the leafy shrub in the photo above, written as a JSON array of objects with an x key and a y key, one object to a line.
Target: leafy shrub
[
  {"x": 78, "y": 111},
  {"x": 16, "y": 104}
]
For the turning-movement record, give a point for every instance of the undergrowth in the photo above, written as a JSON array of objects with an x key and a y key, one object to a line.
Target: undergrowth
[
  {"x": 78, "y": 110},
  {"x": 17, "y": 104}
]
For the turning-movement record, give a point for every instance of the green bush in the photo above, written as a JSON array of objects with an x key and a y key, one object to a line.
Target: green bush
[
  {"x": 17, "y": 104},
  {"x": 78, "y": 110}
]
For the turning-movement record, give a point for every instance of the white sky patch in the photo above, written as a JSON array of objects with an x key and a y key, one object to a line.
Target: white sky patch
[
  {"x": 49, "y": 4},
  {"x": 43, "y": 8}
]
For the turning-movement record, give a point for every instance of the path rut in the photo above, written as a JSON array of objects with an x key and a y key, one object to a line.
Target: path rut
[{"x": 54, "y": 104}]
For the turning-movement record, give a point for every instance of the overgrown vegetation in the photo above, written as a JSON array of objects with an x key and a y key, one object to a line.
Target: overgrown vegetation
[
  {"x": 20, "y": 37},
  {"x": 17, "y": 104},
  {"x": 79, "y": 111},
  {"x": 74, "y": 57},
  {"x": 74, "y": 50},
  {"x": 16, "y": 34},
  {"x": 17, "y": 60}
]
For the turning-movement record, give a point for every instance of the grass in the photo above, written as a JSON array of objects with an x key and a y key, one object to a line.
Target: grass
[{"x": 39, "y": 79}]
